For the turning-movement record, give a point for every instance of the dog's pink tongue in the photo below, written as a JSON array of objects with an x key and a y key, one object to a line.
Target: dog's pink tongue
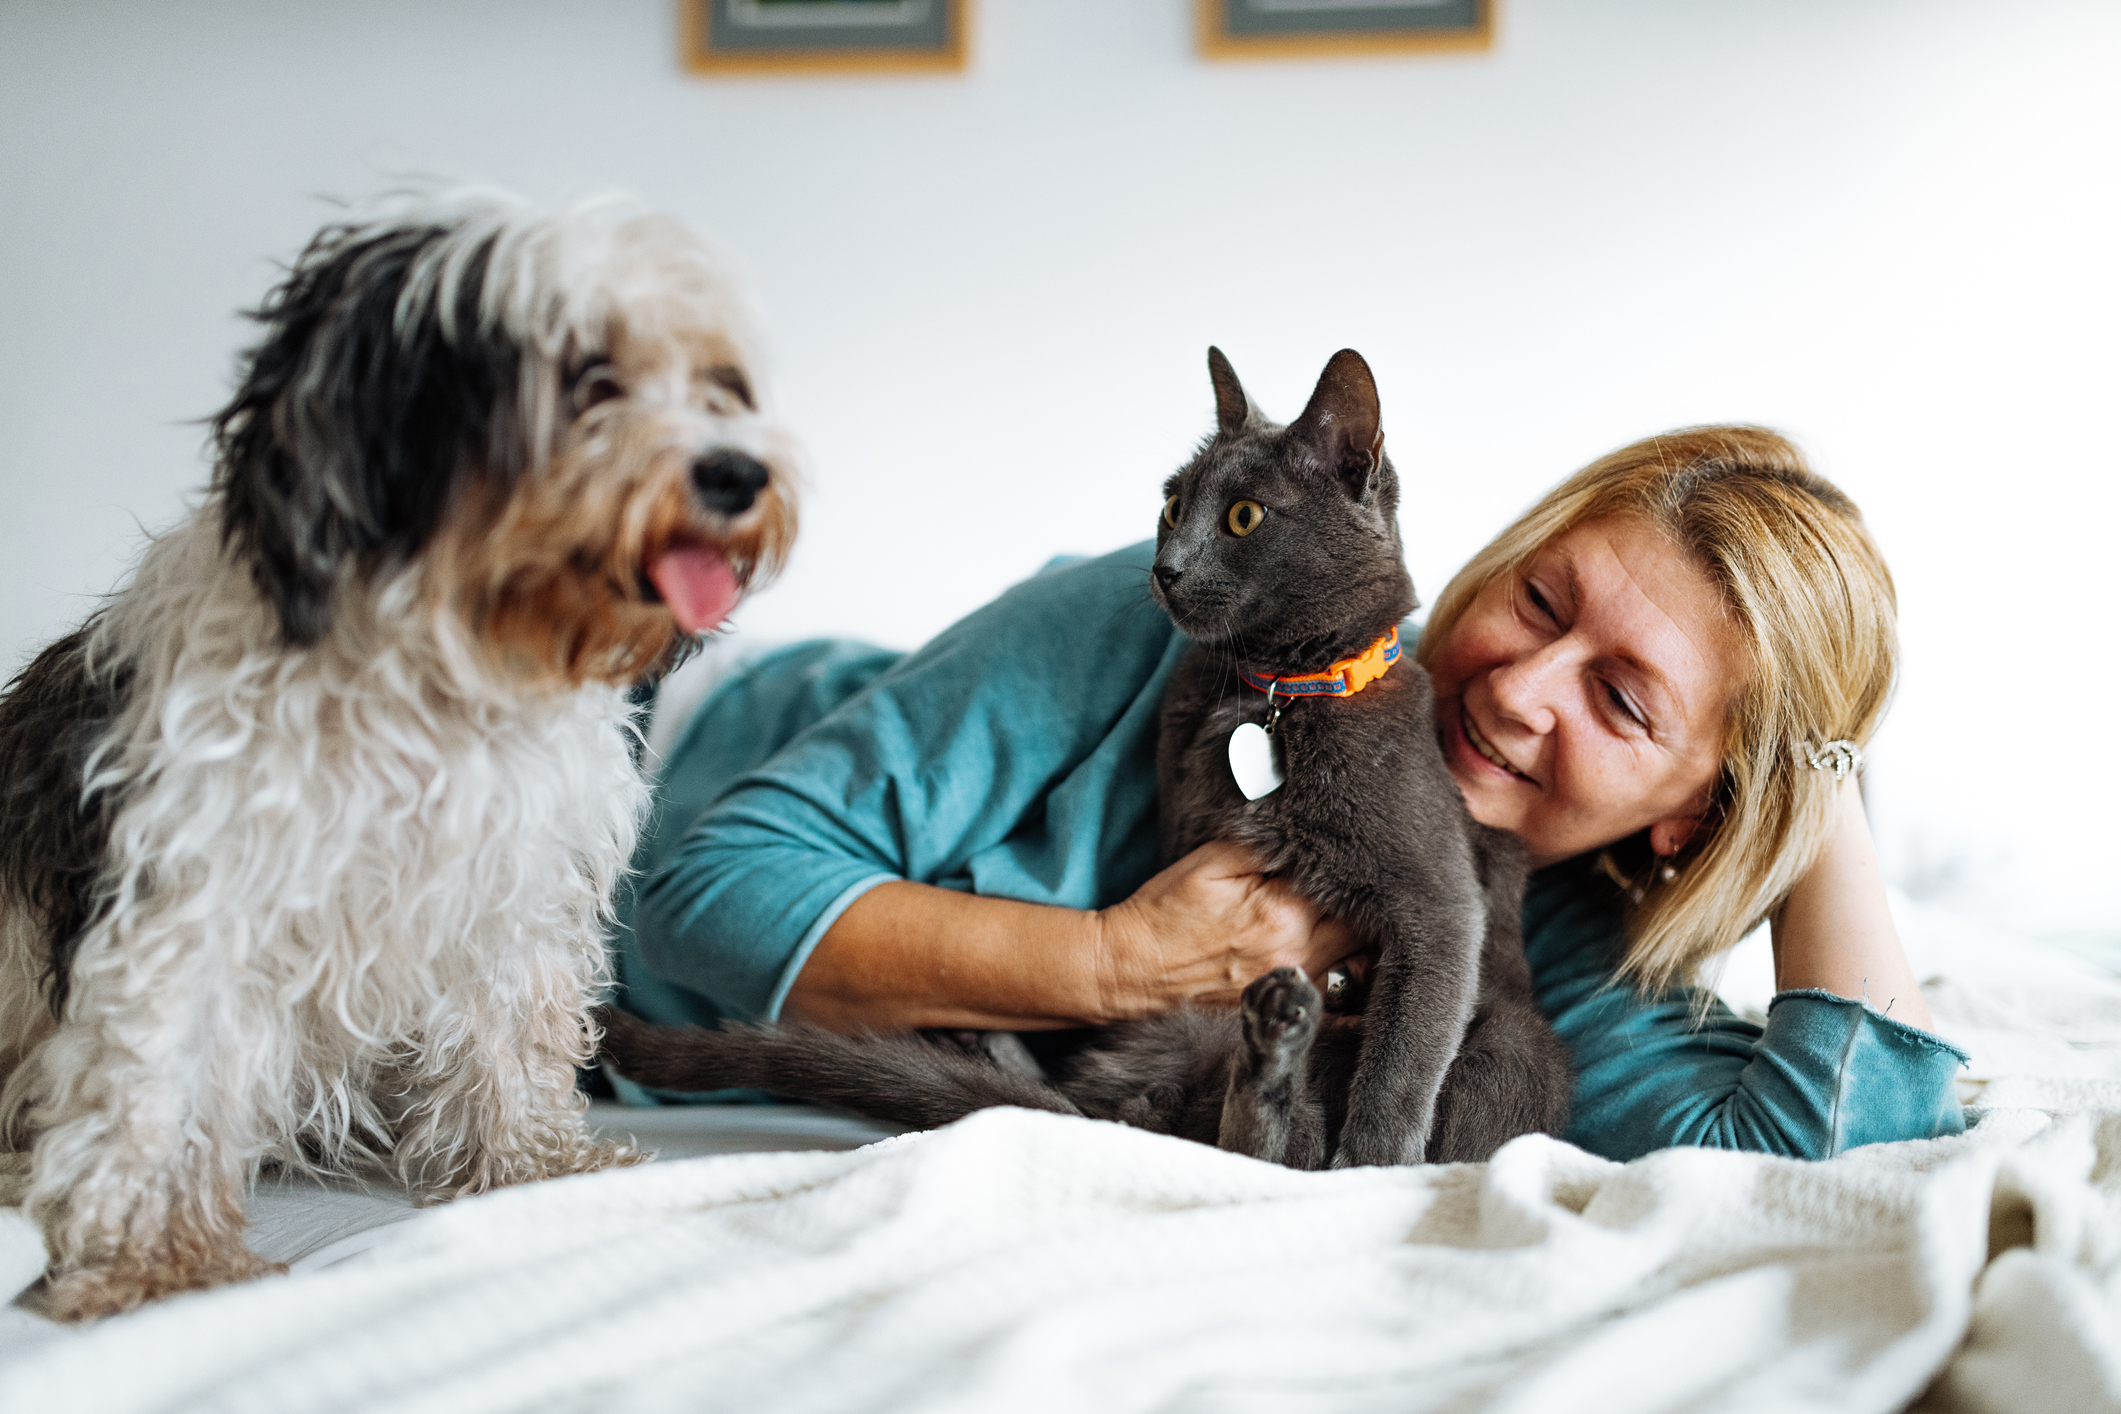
[{"x": 697, "y": 584}]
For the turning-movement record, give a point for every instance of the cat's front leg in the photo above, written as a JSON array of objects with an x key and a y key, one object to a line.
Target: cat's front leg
[
  {"x": 1422, "y": 991},
  {"x": 1269, "y": 1111}
]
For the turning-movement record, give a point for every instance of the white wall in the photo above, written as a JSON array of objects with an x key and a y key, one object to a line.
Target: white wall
[{"x": 1887, "y": 228}]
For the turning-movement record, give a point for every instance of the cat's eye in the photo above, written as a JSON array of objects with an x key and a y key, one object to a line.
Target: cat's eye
[
  {"x": 1171, "y": 512},
  {"x": 1245, "y": 517}
]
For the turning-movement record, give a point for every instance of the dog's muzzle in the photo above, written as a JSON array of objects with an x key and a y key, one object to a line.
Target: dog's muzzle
[{"x": 729, "y": 481}]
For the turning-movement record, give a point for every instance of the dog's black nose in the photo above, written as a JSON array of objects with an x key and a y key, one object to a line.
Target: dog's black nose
[
  {"x": 729, "y": 481},
  {"x": 1167, "y": 576}
]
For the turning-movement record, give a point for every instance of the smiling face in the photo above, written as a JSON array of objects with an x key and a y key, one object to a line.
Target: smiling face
[{"x": 1585, "y": 697}]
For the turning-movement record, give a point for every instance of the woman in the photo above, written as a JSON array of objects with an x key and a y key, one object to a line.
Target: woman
[{"x": 1656, "y": 678}]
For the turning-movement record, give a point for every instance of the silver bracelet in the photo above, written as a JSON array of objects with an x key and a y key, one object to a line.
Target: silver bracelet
[{"x": 1843, "y": 758}]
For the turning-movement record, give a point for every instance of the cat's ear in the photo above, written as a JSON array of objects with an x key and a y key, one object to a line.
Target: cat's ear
[
  {"x": 1234, "y": 410},
  {"x": 1343, "y": 422}
]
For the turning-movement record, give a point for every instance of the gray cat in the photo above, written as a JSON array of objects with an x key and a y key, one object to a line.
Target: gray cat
[{"x": 1278, "y": 554}]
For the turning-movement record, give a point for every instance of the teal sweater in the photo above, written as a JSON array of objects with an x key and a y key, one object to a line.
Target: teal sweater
[{"x": 1015, "y": 756}]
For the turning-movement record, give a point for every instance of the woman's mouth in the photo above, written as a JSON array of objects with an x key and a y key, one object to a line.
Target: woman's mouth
[{"x": 1485, "y": 747}]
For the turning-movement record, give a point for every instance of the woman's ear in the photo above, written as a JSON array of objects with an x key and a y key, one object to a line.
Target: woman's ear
[{"x": 1674, "y": 833}]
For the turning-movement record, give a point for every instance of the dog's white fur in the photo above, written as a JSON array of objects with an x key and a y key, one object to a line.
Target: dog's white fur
[
  {"x": 354, "y": 895},
  {"x": 358, "y": 893}
]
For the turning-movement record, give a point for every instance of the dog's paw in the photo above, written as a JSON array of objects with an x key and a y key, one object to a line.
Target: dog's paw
[
  {"x": 91, "y": 1293},
  {"x": 506, "y": 1170},
  {"x": 1281, "y": 1012},
  {"x": 593, "y": 1157}
]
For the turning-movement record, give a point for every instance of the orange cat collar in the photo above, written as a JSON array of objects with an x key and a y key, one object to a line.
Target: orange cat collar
[{"x": 1344, "y": 678}]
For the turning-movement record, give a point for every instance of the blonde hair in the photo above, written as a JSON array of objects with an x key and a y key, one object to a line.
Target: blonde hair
[{"x": 1813, "y": 602}]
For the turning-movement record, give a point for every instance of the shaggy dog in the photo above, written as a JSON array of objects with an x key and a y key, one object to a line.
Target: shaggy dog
[{"x": 311, "y": 831}]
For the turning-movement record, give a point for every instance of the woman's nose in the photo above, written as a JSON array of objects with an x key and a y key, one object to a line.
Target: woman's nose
[{"x": 1524, "y": 691}]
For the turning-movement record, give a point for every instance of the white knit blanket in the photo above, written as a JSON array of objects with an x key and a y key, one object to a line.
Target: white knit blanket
[
  {"x": 1026, "y": 1262},
  {"x": 1022, "y": 1261}
]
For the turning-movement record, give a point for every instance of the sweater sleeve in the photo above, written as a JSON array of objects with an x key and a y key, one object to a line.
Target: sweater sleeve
[
  {"x": 1826, "y": 1073},
  {"x": 1013, "y": 756}
]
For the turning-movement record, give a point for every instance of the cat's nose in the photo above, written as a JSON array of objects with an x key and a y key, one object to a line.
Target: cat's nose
[
  {"x": 728, "y": 480},
  {"x": 1167, "y": 576}
]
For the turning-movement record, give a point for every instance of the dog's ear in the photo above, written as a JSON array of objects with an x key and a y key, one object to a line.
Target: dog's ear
[
  {"x": 1343, "y": 423},
  {"x": 1234, "y": 410},
  {"x": 377, "y": 389}
]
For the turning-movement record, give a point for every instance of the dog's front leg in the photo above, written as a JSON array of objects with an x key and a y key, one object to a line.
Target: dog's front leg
[
  {"x": 502, "y": 1106},
  {"x": 145, "y": 1135}
]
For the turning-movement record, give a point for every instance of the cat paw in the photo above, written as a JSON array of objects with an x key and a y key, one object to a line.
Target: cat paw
[
  {"x": 1281, "y": 1012},
  {"x": 1366, "y": 1145}
]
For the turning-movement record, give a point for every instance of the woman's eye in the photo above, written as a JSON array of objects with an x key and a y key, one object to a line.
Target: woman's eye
[
  {"x": 1245, "y": 517},
  {"x": 1539, "y": 601},
  {"x": 1625, "y": 708},
  {"x": 1171, "y": 512}
]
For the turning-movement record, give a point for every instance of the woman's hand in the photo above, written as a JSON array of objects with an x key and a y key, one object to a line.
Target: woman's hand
[
  {"x": 1836, "y": 934},
  {"x": 905, "y": 956},
  {"x": 1202, "y": 930}
]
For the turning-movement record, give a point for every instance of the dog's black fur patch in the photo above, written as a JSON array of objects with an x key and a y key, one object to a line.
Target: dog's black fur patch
[
  {"x": 358, "y": 415},
  {"x": 354, "y": 422},
  {"x": 52, "y": 717}
]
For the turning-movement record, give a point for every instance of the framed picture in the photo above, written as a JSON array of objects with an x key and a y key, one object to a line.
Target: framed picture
[
  {"x": 1302, "y": 29},
  {"x": 824, "y": 36}
]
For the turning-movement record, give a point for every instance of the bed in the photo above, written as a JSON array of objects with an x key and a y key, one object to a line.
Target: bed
[{"x": 779, "y": 1258}]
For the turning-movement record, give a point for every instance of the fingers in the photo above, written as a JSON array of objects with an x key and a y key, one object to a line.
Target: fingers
[
  {"x": 1331, "y": 943},
  {"x": 1292, "y": 933},
  {"x": 1208, "y": 926},
  {"x": 1282, "y": 915},
  {"x": 1219, "y": 859}
]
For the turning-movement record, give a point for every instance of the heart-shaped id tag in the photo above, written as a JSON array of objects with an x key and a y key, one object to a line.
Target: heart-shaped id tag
[{"x": 1252, "y": 761}]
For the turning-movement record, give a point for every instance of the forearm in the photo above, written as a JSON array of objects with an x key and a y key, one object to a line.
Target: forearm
[
  {"x": 1679, "y": 1068},
  {"x": 1835, "y": 932},
  {"x": 906, "y": 956}
]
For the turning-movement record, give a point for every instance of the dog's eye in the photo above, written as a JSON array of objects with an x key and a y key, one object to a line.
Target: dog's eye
[
  {"x": 1245, "y": 517},
  {"x": 599, "y": 383},
  {"x": 1171, "y": 512},
  {"x": 731, "y": 380}
]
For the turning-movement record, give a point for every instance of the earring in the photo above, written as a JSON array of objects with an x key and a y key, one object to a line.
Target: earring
[{"x": 1637, "y": 889}]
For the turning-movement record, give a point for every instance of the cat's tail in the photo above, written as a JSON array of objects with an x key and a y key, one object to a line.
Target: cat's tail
[{"x": 906, "y": 1080}]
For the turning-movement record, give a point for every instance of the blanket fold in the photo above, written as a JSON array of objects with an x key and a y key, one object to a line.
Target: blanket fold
[{"x": 1032, "y": 1261}]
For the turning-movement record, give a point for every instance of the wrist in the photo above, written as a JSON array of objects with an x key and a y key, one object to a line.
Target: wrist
[
  {"x": 1835, "y": 931},
  {"x": 1113, "y": 987}
]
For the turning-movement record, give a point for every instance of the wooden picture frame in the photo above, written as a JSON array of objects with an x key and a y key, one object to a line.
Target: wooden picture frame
[
  {"x": 824, "y": 36},
  {"x": 1315, "y": 29}
]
